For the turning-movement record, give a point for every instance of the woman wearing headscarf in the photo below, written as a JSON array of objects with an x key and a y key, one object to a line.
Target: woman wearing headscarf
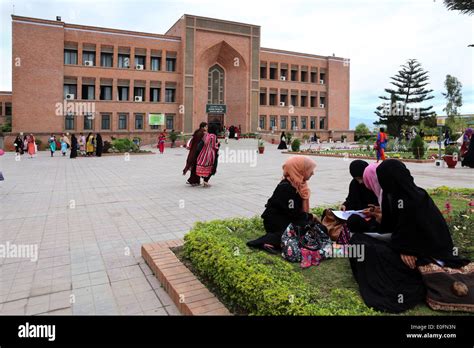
[
  {"x": 194, "y": 149},
  {"x": 387, "y": 276},
  {"x": 282, "y": 145},
  {"x": 288, "y": 204},
  {"x": 99, "y": 145},
  {"x": 73, "y": 153},
  {"x": 90, "y": 144},
  {"x": 206, "y": 163},
  {"x": 467, "y": 149},
  {"x": 18, "y": 143},
  {"x": 359, "y": 198}
]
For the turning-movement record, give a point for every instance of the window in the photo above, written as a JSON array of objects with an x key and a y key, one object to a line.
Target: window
[
  {"x": 304, "y": 76},
  {"x": 283, "y": 98},
  {"x": 155, "y": 63},
  {"x": 304, "y": 100},
  {"x": 322, "y": 77},
  {"x": 294, "y": 74},
  {"x": 294, "y": 100},
  {"x": 70, "y": 89},
  {"x": 273, "y": 71},
  {"x": 313, "y": 101},
  {"x": 105, "y": 92},
  {"x": 294, "y": 122},
  {"x": 304, "y": 122},
  {"x": 262, "y": 122},
  {"x": 273, "y": 122},
  {"x": 170, "y": 94},
  {"x": 139, "y": 92},
  {"x": 322, "y": 123},
  {"x": 122, "y": 121},
  {"x": 88, "y": 92},
  {"x": 69, "y": 122},
  {"x": 88, "y": 56},
  {"x": 88, "y": 122},
  {"x": 322, "y": 100},
  {"x": 1, "y": 109},
  {"x": 312, "y": 123},
  {"x": 106, "y": 60},
  {"x": 284, "y": 73},
  {"x": 313, "y": 77},
  {"x": 124, "y": 61},
  {"x": 263, "y": 72},
  {"x": 169, "y": 121},
  {"x": 70, "y": 57},
  {"x": 273, "y": 98},
  {"x": 140, "y": 60},
  {"x": 283, "y": 120},
  {"x": 170, "y": 64},
  {"x": 105, "y": 122},
  {"x": 122, "y": 93},
  {"x": 215, "y": 85},
  {"x": 155, "y": 94},
  {"x": 139, "y": 121},
  {"x": 263, "y": 98},
  {"x": 8, "y": 109}
]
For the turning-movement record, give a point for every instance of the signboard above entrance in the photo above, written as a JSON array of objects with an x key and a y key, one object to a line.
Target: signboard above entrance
[{"x": 216, "y": 108}]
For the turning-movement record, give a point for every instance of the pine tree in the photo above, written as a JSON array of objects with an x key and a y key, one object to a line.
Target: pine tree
[
  {"x": 464, "y": 6},
  {"x": 410, "y": 84}
]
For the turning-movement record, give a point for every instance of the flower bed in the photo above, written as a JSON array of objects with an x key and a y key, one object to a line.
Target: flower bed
[{"x": 256, "y": 283}]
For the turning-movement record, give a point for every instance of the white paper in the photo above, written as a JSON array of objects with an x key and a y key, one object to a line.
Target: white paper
[{"x": 344, "y": 215}]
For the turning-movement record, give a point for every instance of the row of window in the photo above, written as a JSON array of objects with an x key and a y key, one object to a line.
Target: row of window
[
  {"x": 123, "y": 60},
  {"x": 296, "y": 100},
  {"x": 296, "y": 122},
  {"x": 121, "y": 122},
  {"x": 291, "y": 72},
  {"x": 8, "y": 109},
  {"x": 123, "y": 92}
]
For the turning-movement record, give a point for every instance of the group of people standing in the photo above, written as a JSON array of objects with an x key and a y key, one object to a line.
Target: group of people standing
[
  {"x": 417, "y": 234},
  {"x": 27, "y": 144},
  {"x": 203, "y": 155},
  {"x": 85, "y": 146}
]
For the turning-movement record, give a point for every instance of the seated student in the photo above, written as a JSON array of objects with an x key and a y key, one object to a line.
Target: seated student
[
  {"x": 359, "y": 198},
  {"x": 288, "y": 204},
  {"x": 387, "y": 277}
]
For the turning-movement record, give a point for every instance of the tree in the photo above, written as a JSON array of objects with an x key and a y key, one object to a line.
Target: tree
[
  {"x": 453, "y": 95},
  {"x": 361, "y": 130},
  {"x": 464, "y": 6},
  {"x": 410, "y": 84}
]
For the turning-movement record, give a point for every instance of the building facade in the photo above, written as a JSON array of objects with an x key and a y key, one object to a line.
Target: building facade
[
  {"x": 6, "y": 110},
  {"x": 75, "y": 78}
]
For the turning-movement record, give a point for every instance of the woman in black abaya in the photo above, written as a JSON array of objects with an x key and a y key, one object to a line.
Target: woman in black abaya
[{"x": 388, "y": 278}]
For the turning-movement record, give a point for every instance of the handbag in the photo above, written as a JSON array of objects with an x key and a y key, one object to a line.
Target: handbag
[
  {"x": 449, "y": 289},
  {"x": 333, "y": 224}
]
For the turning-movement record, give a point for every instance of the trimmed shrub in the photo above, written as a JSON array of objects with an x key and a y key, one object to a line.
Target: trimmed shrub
[
  {"x": 125, "y": 145},
  {"x": 295, "y": 145},
  {"x": 254, "y": 281},
  {"x": 450, "y": 150},
  {"x": 418, "y": 147}
]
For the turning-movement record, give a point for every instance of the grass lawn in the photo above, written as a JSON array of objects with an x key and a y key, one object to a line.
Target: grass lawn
[{"x": 336, "y": 273}]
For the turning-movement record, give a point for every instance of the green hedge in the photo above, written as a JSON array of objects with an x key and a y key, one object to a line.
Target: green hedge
[{"x": 256, "y": 282}]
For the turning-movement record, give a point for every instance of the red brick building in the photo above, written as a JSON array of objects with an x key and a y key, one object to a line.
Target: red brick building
[
  {"x": 75, "y": 78},
  {"x": 5, "y": 107}
]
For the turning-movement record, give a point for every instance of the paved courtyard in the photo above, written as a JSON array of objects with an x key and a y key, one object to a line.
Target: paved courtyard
[{"x": 90, "y": 216}]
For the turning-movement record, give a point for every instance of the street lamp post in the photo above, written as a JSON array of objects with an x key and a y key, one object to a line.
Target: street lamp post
[{"x": 440, "y": 122}]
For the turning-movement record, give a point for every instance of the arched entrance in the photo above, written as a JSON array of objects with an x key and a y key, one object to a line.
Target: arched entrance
[{"x": 215, "y": 96}]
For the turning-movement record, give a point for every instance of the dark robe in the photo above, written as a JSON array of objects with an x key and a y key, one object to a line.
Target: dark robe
[
  {"x": 418, "y": 229},
  {"x": 99, "y": 145},
  {"x": 232, "y": 132},
  {"x": 73, "y": 147},
  {"x": 279, "y": 214},
  {"x": 192, "y": 157},
  {"x": 282, "y": 145},
  {"x": 468, "y": 160},
  {"x": 359, "y": 196},
  {"x": 19, "y": 145}
]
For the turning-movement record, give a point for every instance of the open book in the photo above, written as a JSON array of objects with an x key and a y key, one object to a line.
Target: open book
[{"x": 344, "y": 215}]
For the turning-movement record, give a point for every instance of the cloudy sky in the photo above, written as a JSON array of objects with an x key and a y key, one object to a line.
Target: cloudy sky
[{"x": 377, "y": 35}]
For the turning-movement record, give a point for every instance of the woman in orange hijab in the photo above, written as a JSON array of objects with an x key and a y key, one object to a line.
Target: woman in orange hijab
[{"x": 288, "y": 204}]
